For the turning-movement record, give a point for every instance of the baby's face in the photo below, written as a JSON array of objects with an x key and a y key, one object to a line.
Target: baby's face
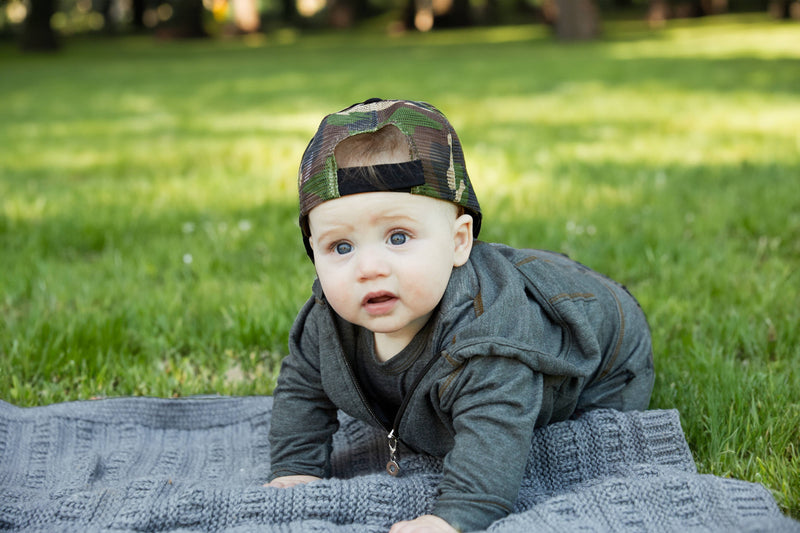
[{"x": 384, "y": 259}]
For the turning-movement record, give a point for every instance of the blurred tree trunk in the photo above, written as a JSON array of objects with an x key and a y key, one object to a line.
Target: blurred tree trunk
[
  {"x": 186, "y": 21},
  {"x": 138, "y": 8},
  {"x": 289, "y": 12},
  {"x": 697, "y": 8},
  {"x": 577, "y": 20},
  {"x": 457, "y": 15},
  {"x": 345, "y": 13},
  {"x": 658, "y": 12},
  {"x": 190, "y": 14},
  {"x": 781, "y": 9},
  {"x": 37, "y": 34},
  {"x": 106, "y": 8}
]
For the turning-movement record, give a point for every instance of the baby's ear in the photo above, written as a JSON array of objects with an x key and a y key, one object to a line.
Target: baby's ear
[{"x": 462, "y": 239}]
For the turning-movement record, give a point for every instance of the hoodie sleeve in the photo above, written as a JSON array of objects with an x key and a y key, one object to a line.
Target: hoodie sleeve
[
  {"x": 303, "y": 418},
  {"x": 494, "y": 404}
]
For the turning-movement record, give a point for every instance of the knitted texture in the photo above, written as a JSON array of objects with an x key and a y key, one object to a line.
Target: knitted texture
[{"x": 198, "y": 464}]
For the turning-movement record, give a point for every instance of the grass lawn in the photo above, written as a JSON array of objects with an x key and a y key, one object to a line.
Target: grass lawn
[{"x": 148, "y": 238}]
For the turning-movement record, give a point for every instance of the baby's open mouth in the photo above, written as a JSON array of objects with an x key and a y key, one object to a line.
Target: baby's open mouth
[{"x": 379, "y": 303}]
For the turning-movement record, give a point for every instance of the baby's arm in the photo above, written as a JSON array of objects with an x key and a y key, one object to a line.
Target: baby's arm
[
  {"x": 484, "y": 469},
  {"x": 494, "y": 404},
  {"x": 303, "y": 417}
]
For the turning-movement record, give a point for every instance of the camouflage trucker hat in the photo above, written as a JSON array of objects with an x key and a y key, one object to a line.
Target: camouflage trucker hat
[{"x": 437, "y": 168}]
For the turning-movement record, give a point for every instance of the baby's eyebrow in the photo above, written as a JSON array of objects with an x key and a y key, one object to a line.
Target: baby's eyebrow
[
  {"x": 392, "y": 217},
  {"x": 333, "y": 230},
  {"x": 339, "y": 229}
]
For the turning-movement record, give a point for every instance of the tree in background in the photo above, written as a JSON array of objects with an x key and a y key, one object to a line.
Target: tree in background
[
  {"x": 38, "y": 24},
  {"x": 138, "y": 8},
  {"x": 784, "y": 9},
  {"x": 577, "y": 20},
  {"x": 186, "y": 20},
  {"x": 37, "y": 33}
]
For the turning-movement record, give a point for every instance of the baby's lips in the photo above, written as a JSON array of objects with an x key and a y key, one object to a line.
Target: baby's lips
[{"x": 377, "y": 297}]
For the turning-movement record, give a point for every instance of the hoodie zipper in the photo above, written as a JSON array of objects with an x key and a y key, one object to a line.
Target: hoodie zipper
[{"x": 392, "y": 466}]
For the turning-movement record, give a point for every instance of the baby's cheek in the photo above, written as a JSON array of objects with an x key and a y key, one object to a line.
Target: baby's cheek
[
  {"x": 426, "y": 294},
  {"x": 340, "y": 305},
  {"x": 337, "y": 297}
]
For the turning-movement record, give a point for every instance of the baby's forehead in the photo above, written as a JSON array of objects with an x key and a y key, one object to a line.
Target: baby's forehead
[
  {"x": 380, "y": 207},
  {"x": 391, "y": 202}
]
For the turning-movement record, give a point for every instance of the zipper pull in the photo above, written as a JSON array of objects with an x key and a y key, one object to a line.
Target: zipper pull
[{"x": 392, "y": 467}]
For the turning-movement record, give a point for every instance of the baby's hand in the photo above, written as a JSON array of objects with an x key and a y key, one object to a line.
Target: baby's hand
[
  {"x": 284, "y": 482},
  {"x": 424, "y": 524}
]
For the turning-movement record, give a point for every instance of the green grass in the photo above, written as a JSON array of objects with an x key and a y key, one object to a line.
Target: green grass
[{"x": 147, "y": 204}]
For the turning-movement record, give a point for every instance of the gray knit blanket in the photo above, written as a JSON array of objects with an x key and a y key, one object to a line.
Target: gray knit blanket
[{"x": 199, "y": 464}]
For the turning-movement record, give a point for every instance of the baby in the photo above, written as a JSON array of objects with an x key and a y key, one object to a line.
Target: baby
[{"x": 455, "y": 347}]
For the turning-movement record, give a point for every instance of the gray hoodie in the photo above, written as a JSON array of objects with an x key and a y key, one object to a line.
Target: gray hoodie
[{"x": 521, "y": 338}]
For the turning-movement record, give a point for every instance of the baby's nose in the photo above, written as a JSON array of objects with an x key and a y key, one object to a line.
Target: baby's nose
[{"x": 372, "y": 264}]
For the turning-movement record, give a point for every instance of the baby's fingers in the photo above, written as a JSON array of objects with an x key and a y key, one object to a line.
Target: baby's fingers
[
  {"x": 285, "y": 482},
  {"x": 423, "y": 524}
]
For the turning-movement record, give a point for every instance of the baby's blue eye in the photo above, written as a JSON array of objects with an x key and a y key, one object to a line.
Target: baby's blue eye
[
  {"x": 343, "y": 248},
  {"x": 398, "y": 238}
]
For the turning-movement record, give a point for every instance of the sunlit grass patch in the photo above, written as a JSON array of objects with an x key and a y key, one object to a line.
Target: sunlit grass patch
[{"x": 753, "y": 36}]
